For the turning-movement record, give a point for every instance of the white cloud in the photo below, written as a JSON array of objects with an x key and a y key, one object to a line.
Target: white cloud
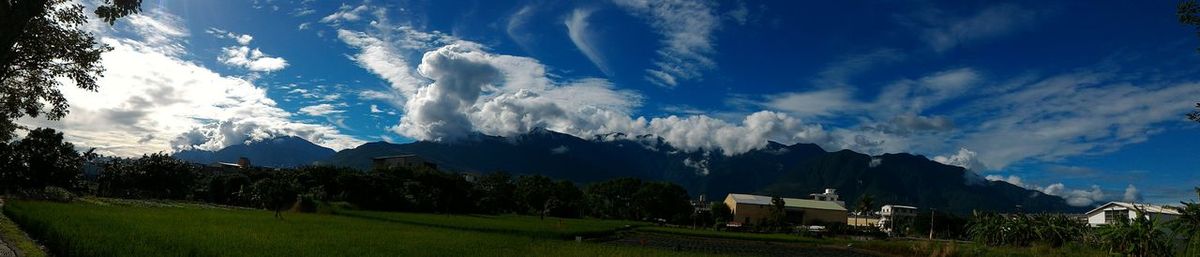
[
  {"x": 577, "y": 30},
  {"x": 321, "y": 110},
  {"x": 1011, "y": 179},
  {"x": 250, "y": 59},
  {"x": 303, "y": 26},
  {"x": 515, "y": 22},
  {"x": 943, "y": 33},
  {"x": 812, "y": 104},
  {"x": 687, "y": 29},
  {"x": 964, "y": 158},
  {"x": 151, "y": 100},
  {"x": 346, "y": 13},
  {"x": 1132, "y": 194},
  {"x": 1076, "y": 197},
  {"x": 244, "y": 39},
  {"x": 375, "y": 109}
]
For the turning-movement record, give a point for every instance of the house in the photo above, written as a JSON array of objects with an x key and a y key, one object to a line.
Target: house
[
  {"x": 830, "y": 194},
  {"x": 1111, "y": 212},
  {"x": 896, "y": 217},
  {"x": 226, "y": 167},
  {"x": 753, "y": 209},
  {"x": 410, "y": 161}
]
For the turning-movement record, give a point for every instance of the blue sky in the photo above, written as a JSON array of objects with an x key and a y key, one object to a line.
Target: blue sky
[{"x": 1079, "y": 99}]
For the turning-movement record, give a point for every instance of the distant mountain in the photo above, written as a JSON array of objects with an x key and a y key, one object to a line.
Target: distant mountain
[
  {"x": 280, "y": 152},
  {"x": 787, "y": 170}
]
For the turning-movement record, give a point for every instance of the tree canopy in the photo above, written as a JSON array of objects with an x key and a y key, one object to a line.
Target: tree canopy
[{"x": 42, "y": 44}]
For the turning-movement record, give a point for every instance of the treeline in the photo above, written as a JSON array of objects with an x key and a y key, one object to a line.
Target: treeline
[{"x": 42, "y": 165}]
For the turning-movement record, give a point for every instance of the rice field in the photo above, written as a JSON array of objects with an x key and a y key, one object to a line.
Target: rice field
[{"x": 92, "y": 229}]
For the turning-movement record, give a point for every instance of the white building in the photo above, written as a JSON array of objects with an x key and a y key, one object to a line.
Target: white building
[
  {"x": 1113, "y": 211},
  {"x": 829, "y": 195},
  {"x": 893, "y": 217}
]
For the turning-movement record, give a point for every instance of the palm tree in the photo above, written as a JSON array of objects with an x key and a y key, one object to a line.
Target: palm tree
[
  {"x": 865, "y": 203},
  {"x": 1187, "y": 226}
]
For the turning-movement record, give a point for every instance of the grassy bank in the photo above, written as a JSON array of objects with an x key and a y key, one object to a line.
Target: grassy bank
[
  {"x": 17, "y": 239},
  {"x": 84, "y": 229}
]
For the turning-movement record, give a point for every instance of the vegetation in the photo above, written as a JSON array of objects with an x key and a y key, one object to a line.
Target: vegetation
[
  {"x": 39, "y": 160},
  {"x": 1187, "y": 226},
  {"x": 42, "y": 44},
  {"x": 1142, "y": 236},
  {"x": 11, "y": 234},
  {"x": 75, "y": 229},
  {"x": 1025, "y": 230}
]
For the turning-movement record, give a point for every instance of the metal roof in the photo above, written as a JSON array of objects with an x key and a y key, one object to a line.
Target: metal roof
[
  {"x": 1150, "y": 208},
  {"x": 787, "y": 202}
]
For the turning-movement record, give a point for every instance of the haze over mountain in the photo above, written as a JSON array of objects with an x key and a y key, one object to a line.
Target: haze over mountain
[
  {"x": 786, "y": 170},
  {"x": 276, "y": 152}
]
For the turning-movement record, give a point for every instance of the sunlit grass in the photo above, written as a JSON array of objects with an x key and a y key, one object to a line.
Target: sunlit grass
[{"x": 82, "y": 229}]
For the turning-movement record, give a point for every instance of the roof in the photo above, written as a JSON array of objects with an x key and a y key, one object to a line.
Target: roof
[
  {"x": 227, "y": 164},
  {"x": 900, "y": 206},
  {"x": 1150, "y": 208},
  {"x": 787, "y": 202}
]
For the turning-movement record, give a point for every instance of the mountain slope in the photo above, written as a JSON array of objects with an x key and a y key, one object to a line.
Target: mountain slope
[
  {"x": 777, "y": 169},
  {"x": 280, "y": 152}
]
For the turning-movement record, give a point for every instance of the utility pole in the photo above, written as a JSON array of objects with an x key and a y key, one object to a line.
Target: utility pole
[{"x": 932, "y": 212}]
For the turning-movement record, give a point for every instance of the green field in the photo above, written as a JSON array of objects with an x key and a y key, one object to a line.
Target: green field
[{"x": 92, "y": 229}]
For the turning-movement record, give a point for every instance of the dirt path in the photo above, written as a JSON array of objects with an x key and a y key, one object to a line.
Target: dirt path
[
  {"x": 732, "y": 246},
  {"x": 5, "y": 249}
]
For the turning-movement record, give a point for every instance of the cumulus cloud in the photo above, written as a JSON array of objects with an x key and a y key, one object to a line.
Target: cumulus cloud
[
  {"x": 1132, "y": 194},
  {"x": 1076, "y": 197},
  {"x": 963, "y": 158},
  {"x": 250, "y": 59},
  {"x": 151, "y": 100},
  {"x": 687, "y": 29},
  {"x": 577, "y": 30}
]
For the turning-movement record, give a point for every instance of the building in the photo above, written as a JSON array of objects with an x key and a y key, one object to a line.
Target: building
[
  {"x": 1113, "y": 211},
  {"x": 830, "y": 194},
  {"x": 896, "y": 217},
  {"x": 410, "y": 161},
  {"x": 754, "y": 209},
  {"x": 226, "y": 167}
]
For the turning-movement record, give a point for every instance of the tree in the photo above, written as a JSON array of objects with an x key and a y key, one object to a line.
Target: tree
[
  {"x": 155, "y": 176},
  {"x": 496, "y": 193},
  {"x": 42, "y": 42},
  {"x": 613, "y": 199},
  {"x": 275, "y": 192},
  {"x": 721, "y": 213},
  {"x": 534, "y": 194},
  {"x": 39, "y": 160},
  {"x": 865, "y": 203},
  {"x": 778, "y": 211},
  {"x": 1187, "y": 226},
  {"x": 662, "y": 200}
]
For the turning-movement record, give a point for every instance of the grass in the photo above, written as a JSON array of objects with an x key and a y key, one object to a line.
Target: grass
[
  {"x": 783, "y": 238},
  {"x": 895, "y": 247},
  {"x": 89, "y": 229},
  {"x": 17, "y": 239},
  {"x": 530, "y": 226}
]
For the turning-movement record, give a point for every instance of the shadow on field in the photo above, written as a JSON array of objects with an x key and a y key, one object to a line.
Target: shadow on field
[
  {"x": 528, "y": 233},
  {"x": 734, "y": 246}
]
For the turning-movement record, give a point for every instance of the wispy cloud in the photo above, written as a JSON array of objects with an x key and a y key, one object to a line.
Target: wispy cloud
[
  {"x": 943, "y": 31},
  {"x": 577, "y": 29},
  {"x": 687, "y": 29}
]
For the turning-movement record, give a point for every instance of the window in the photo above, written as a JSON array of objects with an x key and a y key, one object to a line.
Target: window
[{"x": 1111, "y": 216}]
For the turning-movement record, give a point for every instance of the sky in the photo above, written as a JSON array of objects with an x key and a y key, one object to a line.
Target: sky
[{"x": 1084, "y": 100}]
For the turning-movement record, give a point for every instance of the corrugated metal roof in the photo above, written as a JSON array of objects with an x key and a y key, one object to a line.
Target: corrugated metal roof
[
  {"x": 787, "y": 202},
  {"x": 1144, "y": 207}
]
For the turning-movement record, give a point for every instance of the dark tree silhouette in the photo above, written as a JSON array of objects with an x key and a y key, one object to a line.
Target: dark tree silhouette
[
  {"x": 39, "y": 160},
  {"x": 40, "y": 42}
]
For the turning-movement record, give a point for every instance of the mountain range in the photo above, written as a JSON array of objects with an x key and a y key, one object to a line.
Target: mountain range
[
  {"x": 776, "y": 169},
  {"x": 279, "y": 152}
]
